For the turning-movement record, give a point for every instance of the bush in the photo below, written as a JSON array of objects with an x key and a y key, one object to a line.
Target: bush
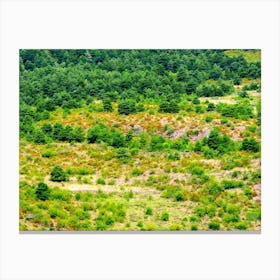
[
  {"x": 60, "y": 194},
  {"x": 127, "y": 107},
  {"x": 231, "y": 184},
  {"x": 156, "y": 143},
  {"x": 175, "y": 227},
  {"x": 169, "y": 107},
  {"x": 238, "y": 111},
  {"x": 247, "y": 191},
  {"x": 215, "y": 188},
  {"x": 123, "y": 154},
  {"x": 200, "y": 211},
  {"x": 58, "y": 174},
  {"x": 214, "y": 225},
  {"x": 211, "y": 107},
  {"x": 194, "y": 227},
  {"x": 231, "y": 218},
  {"x": 136, "y": 172},
  {"x": 208, "y": 119},
  {"x": 117, "y": 140},
  {"x": 48, "y": 154},
  {"x": 179, "y": 196},
  {"x": 100, "y": 181},
  {"x": 164, "y": 216},
  {"x": 107, "y": 105},
  {"x": 39, "y": 137},
  {"x": 42, "y": 192},
  {"x": 99, "y": 133},
  {"x": 149, "y": 211},
  {"x": 253, "y": 215},
  {"x": 241, "y": 226},
  {"x": 250, "y": 145}
]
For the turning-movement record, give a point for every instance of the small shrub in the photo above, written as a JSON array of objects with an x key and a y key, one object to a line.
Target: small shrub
[
  {"x": 48, "y": 154},
  {"x": 128, "y": 195},
  {"x": 149, "y": 211},
  {"x": 231, "y": 218},
  {"x": 234, "y": 174},
  {"x": 247, "y": 191},
  {"x": 150, "y": 227},
  {"x": 42, "y": 192},
  {"x": 140, "y": 224},
  {"x": 253, "y": 215},
  {"x": 58, "y": 174},
  {"x": 208, "y": 119},
  {"x": 214, "y": 225},
  {"x": 231, "y": 184},
  {"x": 194, "y": 227},
  {"x": 175, "y": 227},
  {"x": 241, "y": 226},
  {"x": 193, "y": 219},
  {"x": 250, "y": 145},
  {"x": 164, "y": 216},
  {"x": 179, "y": 196},
  {"x": 215, "y": 188},
  {"x": 100, "y": 181},
  {"x": 136, "y": 172},
  {"x": 200, "y": 211}
]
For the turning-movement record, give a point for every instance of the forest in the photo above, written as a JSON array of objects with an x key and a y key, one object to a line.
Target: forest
[{"x": 140, "y": 140}]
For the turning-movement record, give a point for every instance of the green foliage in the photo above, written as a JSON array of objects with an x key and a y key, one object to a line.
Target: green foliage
[
  {"x": 164, "y": 216},
  {"x": 107, "y": 105},
  {"x": 241, "y": 226},
  {"x": 211, "y": 107},
  {"x": 169, "y": 107},
  {"x": 231, "y": 184},
  {"x": 243, "y": 94},
  {"x": 238, "y": 111},
  {"x": 42, "y": 192},
  {"x": 60, "y": 194},
  {"x": 39, "y": 137},
  {"x": 58, "y": 174},
  {"x": 220, "y": 143},
  {"x": 179, "y": 196},
  {"x": 215, "y": 188},
  {"x": 149, "y": 211},
  {"x": 156, "y": 143},
  {"x": 127, "y": 107},
  {"x": 208, "y": 119},
  {"x": 100, "y": 181},
  {"x": 214, "y": 225},
  {"x": 123, "y": 154},
  {"x": 250, "y": 145},
  {"x": 98, "y": 133},
  {"x": 253, "y": 215},
  {"x": 219, "y": 88}
]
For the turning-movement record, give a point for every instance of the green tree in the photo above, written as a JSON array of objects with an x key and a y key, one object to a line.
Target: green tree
[
  {"x": 127, "y": 107},
  {"x": 42, "y": 191},
  {"x": 58, "y": 174},
  {"x": 107, "y": 105},
  {"x": 169, "y": 107},
  {"x": 250, "y": 145},
  {"x": 78, "y": 134},
  {"x": 39, "y": 137}
]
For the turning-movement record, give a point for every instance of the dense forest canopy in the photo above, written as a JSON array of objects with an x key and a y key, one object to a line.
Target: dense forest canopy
[
  {"x": 70, "y": 78},
  {"x": 65, "y": 75}
]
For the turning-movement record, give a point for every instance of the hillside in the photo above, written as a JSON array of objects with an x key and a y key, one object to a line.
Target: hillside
[{"x": 140, "y": 140}]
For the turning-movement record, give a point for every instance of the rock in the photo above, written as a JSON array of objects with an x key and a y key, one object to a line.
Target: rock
[
  {"x": 30, "y": 216},
  {"x": 137, "y": 129}
]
